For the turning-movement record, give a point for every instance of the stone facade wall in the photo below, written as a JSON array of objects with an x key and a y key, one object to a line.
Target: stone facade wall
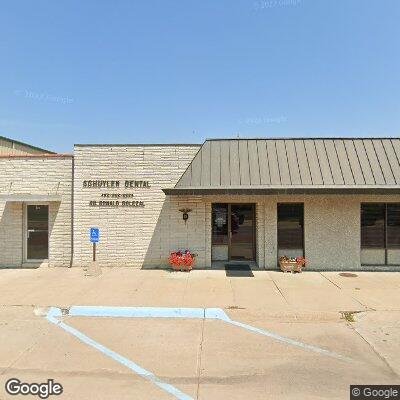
[
  {"x": 332, "y": 227},
  {"x": 38, "y": 175},
  {"x": 133, "y": 236},
  {"x": 143, "y": 235}
]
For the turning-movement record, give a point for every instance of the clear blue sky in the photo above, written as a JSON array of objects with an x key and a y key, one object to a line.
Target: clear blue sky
[{"x": 181, "y": 71}]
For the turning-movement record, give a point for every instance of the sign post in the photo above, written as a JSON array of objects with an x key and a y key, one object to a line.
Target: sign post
[{"x": 94, "y": 238}]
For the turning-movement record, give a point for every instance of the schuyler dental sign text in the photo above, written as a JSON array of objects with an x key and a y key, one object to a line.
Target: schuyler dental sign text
[{"x": 116, "y": 199}]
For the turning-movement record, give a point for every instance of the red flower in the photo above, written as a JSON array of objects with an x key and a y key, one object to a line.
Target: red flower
[
  {"x": 301, "y": 261},
  {"x": 182, "y": 259}
]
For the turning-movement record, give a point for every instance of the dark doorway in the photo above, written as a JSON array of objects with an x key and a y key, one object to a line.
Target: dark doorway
[
  {"x": 242, "y": 243},
  {"x": 233, "y": 232},
  {"x": 238, "y": 270},
  {"x": 37, "y": 235}
]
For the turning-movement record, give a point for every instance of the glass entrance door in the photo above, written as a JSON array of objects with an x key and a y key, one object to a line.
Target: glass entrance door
[
  {"x": 242, "y": 243},
  {"x": 233, "y": 232},
  {"x": 37, "y": 234},
  {"x": 220, "y": 232}
]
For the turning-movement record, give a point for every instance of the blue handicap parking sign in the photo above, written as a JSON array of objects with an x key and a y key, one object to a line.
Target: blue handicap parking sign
[{"x": 94, "y": 235}]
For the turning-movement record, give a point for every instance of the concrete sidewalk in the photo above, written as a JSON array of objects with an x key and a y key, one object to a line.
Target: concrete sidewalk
[
  {"x": 267, "y": 292},
  {"x": 203, "y": 358}
]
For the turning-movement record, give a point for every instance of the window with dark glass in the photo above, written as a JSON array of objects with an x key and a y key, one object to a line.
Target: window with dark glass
[
  {"x": 393, "y": 225},
  {"x": 380, "y": 233},
  {"x": 290, "y": 226},
  {"x": 373, "y": 225}
]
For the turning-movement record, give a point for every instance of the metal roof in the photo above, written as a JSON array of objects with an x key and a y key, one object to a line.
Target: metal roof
[
  {"x": 11, "y": 146},
  {"x": 348, "y": 165}
]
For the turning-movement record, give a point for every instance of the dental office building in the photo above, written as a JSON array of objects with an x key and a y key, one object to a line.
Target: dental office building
[{"x": 335, "y": 201}]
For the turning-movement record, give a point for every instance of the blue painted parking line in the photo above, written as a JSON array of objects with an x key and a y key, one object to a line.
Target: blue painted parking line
[
  {"x": 135, "y": 312},
  {"x": 289, "y": 341},
  {"x": 55, "y": 314},
  {"x": 216, "y": 313}
]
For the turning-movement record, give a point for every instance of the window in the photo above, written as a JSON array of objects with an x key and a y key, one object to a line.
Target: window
[
  {"x": 290, "y": 229},
  {"x": 380, "y": 233},
  {"x": 219, "y": 224},
  {"x": 373, "y": 226},
  {"x": 393, "y": 225}
]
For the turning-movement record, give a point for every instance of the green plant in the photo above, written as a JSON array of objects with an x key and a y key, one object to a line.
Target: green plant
[{"x": 348, "y": 316}]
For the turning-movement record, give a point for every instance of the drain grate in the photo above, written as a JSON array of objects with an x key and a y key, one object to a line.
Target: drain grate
[{"x": 348, "y": 274}]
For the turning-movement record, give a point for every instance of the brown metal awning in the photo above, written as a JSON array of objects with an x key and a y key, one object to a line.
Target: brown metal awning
[{"x": 293, "y": 166}]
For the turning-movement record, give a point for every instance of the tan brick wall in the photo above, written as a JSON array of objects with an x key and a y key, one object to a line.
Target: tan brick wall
[
  {"x": 142, "y": 236},
  {"x": 10, "y": 234},
  {"x": 40, "y": 176}
]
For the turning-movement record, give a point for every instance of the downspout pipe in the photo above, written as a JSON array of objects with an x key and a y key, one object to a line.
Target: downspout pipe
[{"x": 72, "y": 210}]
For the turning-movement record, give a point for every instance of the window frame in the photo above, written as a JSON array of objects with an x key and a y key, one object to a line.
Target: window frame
[
  {"x": 385, "y": 241},
  {"x": 229, "y": 213},
  {"x": 302, "y": 226},
  {"x": 386, "y": 227}
]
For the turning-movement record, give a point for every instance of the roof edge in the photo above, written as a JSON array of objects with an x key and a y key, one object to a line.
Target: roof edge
[
  {"x": 308, "y": 138},
  {"x": 44, "y": 155},
  {"x": 282, "y": 191},
  {"x": 26, "y": 144},
  {"x": 136, "y": 144}
]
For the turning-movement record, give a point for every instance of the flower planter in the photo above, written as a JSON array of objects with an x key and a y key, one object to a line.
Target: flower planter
[
  {"x": 176, "y": 267},
  {"x": 292, "y": 265},
  {"x": 182, "y": 260},
  {"x": 287, "y": 266}
]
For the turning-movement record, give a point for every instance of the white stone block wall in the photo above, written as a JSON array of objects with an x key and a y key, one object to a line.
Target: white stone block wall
[
  {"x": 35, "y": 175},
  {"x": 135, "y": 236},
  {"x": 11, "y": 250}
]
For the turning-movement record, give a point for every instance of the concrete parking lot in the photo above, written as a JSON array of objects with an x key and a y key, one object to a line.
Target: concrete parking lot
[{"x": 313, "y": 334}]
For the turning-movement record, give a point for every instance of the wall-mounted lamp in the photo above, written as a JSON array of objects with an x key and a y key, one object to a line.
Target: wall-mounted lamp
[{"x": 185, "y": 214}]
